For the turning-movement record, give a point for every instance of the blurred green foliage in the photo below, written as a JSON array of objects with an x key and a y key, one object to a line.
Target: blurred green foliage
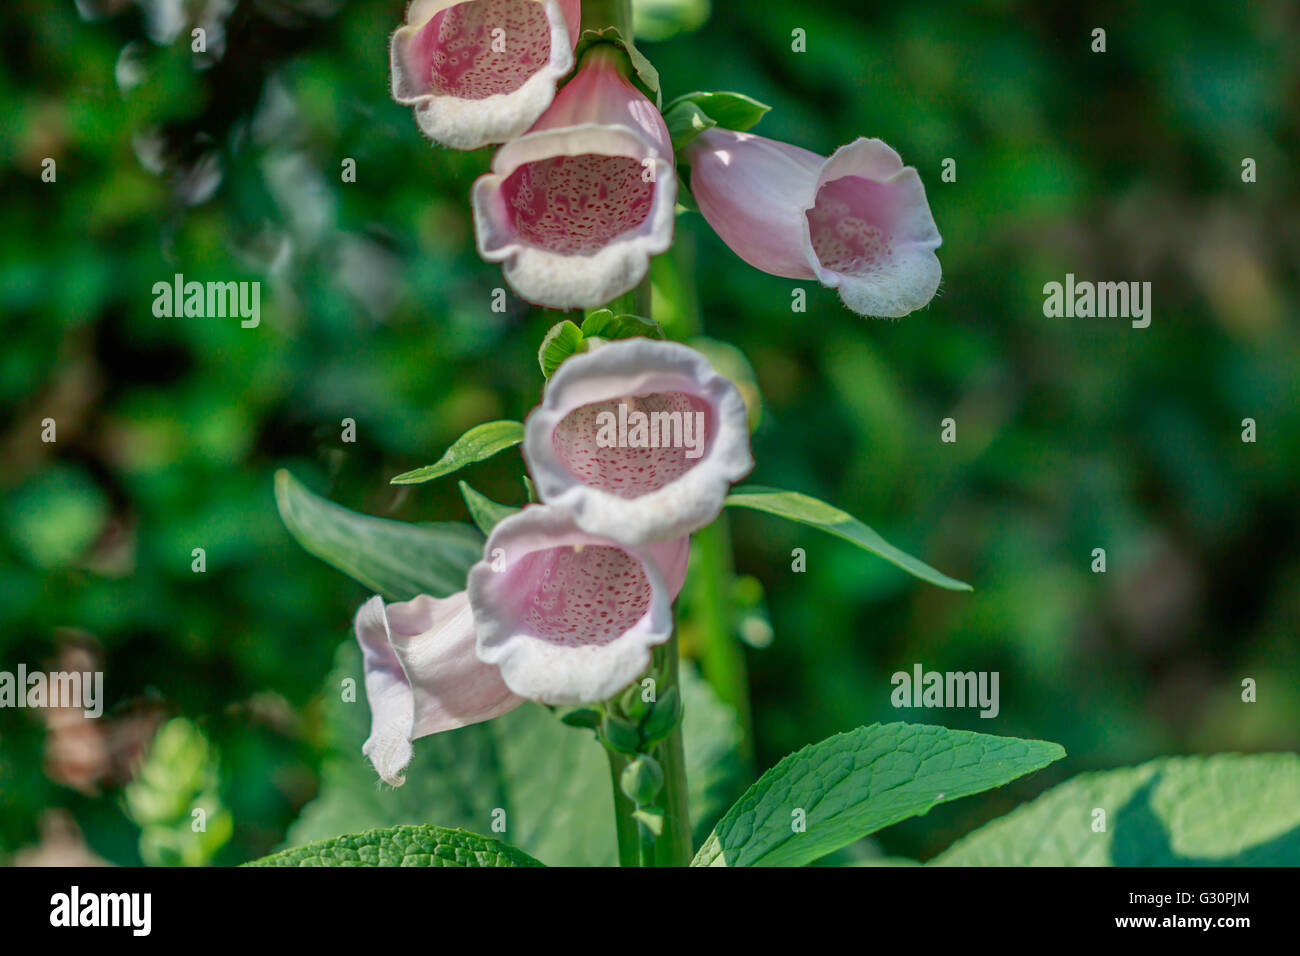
[{"x": 1073, "y": 434}]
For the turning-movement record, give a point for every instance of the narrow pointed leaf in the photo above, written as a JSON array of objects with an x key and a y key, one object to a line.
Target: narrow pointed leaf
[
  {"x": 394, "y": 558},
  {"x": 817, "y": 514},
  {"x": 483, "y": 510},
  {"x": 478, "y": 444},
  {"x": 831, "y": 793}
]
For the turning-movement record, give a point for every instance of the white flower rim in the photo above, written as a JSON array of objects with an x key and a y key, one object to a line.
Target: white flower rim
[
  {"x": 470, "y": 123},
  {"x": 534, "y": 667},
  {"x": 575, "y": 281},
  {"x": 634, "y": 368},
  {"x": 916, "y": 274}
]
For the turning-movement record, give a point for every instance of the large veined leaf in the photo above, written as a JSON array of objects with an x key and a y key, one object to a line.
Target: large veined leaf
[
  {"x": 1224, "y": 810},
  {"x": 393, "y": 558},
  {"x": 817, "y": 514},
  {"x": 551, "y": 781},
  {"x": 832, "y": 793},
  {"x": 403, "y": 846},
  {"x": 478, "y": 444}
]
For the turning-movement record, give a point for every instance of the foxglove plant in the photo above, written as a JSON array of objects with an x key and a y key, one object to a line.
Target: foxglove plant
[
  {"x": 575, "y": 208},
  {"x": 482, "y": 71},
  {"x": 422, "y": 676},
  {"x": 636, "y": 442},
  {"x": 640, "y": 439},
  {"x": 569, "y": 617},
  {"x": 857, "y": 222}
]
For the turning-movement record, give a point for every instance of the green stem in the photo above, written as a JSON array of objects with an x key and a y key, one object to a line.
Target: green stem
[
  {"x": 722, "y": 659},
  {"x": 673, "y": 848},
  {"x": 626, "y": 825},
  {"x": 600, "y": 14}
]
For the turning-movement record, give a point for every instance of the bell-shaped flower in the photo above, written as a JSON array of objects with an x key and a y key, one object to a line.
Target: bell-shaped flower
[
  {"x": 570, "y": 617},
  {"x": 576, "y": 207},
  {"x": 857, "y": 222},
  {"x": 482, "y": 71},
  {"x": 640, "y": 439},
  {"x": 422, "y": 676}
]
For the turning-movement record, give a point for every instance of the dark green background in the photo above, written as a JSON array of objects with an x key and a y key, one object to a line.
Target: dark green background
[{"x": 1072, "y": 433}]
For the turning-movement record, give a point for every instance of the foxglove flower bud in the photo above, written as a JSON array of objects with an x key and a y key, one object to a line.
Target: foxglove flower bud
[
  {"x": 857, "y": 222},
  {"x": 639, "y": 439},
  {"x": 422, "y": 676},
  {"x": 576, "y": 207},
  {"x": 567, "y": 616},
  {"x": 482, "y": 71}
]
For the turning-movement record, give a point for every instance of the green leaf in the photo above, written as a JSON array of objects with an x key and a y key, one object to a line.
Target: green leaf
[
  {"x": 1223, "y": 810},
  {"x": 552, "y": 781},
  {"x": 483, "y": 510},
  {"x": 807, "y": 510},
  {"x": 478, "y": 444},
  {"x": 686, "y": 121},
  {"x": 403, "y": 846},
  {"x": 853, "y": 784},
  {"x": 396, "y": 559},
  {"x": 728, "y": 110},
  {"x": 603, "y": 323},
  {"x": 564, "y": 339}
]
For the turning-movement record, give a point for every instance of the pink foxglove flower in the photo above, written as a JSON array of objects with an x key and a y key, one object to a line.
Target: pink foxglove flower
[
  {"x": 422, "y": 676},
  {"x": 482, "y": 71},
  {"x": 577, "y": 206},
  {"x": 639, "y": 439},
  {"x": 857, "y": 222},
  {"x": 567, "y": 616}
]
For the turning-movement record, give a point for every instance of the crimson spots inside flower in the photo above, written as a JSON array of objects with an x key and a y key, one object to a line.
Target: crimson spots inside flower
[
  {"x": 578, "y": 204},
  {"x": 632, "y": 446},
  {"x": 486, "y": 47},
  {"x": 851, "y": 225},
  {"x": 576, "y": 596}
]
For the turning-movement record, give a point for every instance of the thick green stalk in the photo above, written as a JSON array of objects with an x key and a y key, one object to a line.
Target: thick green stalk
[
  {"x": 673, "y": 848},
  {"x": 722, "y": 659},
  {"x": 599, "y": 14},
  {"x": 626, "y": 826}
]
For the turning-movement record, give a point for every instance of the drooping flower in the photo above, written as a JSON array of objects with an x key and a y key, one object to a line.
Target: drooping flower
[
  {"x": 570, "y": 617},
  {"x": 422, "y": 676},
  {"x": 482, "y": 71},
  {"x": 857, "y": 222},
  {"x": 576, "y": 207},
  {"x": 640, "y": 439}
]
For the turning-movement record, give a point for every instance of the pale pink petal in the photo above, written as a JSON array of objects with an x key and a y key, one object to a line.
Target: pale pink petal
[
  {"x": 753, "y": 192},
  {"x": 871, "y": 231},
  {"x": 423, "y": 676},
  {"x": 858, "y": 222},
  {"x": 481, "y": 71},
  {"x": 567, "y": 616},
  {"x": 575, "y": 208},
  {"x": 615, "y": 482}
]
